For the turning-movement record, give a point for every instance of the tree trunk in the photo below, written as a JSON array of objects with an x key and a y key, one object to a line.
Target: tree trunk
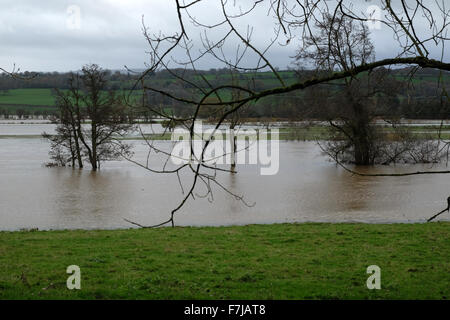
[
  {"x": 94, "y": 160},
  {"x": 233, "y": 139},
  {"x": 362, "y": 152},
  {"x": 72, "y": 152},
  {"x": 77, "y": 147},
  {"x": 362, "y": 137}
]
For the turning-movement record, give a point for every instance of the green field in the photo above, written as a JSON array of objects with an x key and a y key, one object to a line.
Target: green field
[
  {"x": 34, "y": 97},
  {"x": 288, "y": 261},
  {"x": 31, "y": 100}
]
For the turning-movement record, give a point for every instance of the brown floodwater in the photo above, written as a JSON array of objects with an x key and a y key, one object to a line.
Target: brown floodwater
[{"x": 307, "y": 188}]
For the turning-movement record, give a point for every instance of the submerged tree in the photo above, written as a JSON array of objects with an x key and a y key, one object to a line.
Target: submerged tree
[
  {"x": 340, "y": 45},
  {"x": 108, "y": 117},
  {"x": 353, "y": 105},
  {"x": 66, "y": 145},
  {"x": 103, "y": 113}
]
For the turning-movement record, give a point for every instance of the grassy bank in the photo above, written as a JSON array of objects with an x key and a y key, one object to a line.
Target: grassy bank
[{"x": 289, "y": 261}]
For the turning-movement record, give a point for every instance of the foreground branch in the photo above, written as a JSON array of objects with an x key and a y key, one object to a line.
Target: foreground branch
[{"x": 438, "y": 214}]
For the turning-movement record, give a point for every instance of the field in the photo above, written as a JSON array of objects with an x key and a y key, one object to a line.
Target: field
[
  {"x": 287, "y": 261},
  {"x": 28, "y": 100},
  {"x": 34, "y": 97}
]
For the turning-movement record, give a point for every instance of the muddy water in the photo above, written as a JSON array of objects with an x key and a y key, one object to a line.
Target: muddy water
[
  {"x": 36, "y": 128},
  {"x": 307, "y": 188},
  {"x": 11, "y": 128}
]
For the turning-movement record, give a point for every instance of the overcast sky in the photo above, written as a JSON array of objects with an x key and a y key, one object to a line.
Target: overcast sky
[{"x": 48, "y": 36}]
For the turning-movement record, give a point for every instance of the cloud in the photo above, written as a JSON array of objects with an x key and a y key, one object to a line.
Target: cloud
[{"x": 35, "y": 34}]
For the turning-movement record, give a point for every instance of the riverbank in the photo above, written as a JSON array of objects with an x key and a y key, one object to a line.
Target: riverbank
[{"x": 286, "y": 261}]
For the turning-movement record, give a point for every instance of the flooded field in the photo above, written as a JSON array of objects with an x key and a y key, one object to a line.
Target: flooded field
[{"x": 307, "y": 188}]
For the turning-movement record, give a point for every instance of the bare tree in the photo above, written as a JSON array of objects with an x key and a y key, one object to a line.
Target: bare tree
[
  {"x": 107, "y": 115},
  {"x": 104, "y": 114},
  {"x": 340, "y": 45},
  {"x": 292, "y": 21},
  {"x": 68, "y": 123}
]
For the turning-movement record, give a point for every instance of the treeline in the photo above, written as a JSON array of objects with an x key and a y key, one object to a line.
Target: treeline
[
  {"x": 25, "y": 113},
  {"x": 421, "y": 97},
  {"x": 56, "y": 80}
]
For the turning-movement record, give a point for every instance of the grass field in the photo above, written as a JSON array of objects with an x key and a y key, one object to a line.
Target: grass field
[
  {"x": 35, "y": 97},
  {"x": 29, "y": 99},
  {"x": 288, "y": 261}
]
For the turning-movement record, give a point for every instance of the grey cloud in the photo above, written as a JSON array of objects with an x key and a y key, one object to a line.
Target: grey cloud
[{"x": 33, "y": 34}]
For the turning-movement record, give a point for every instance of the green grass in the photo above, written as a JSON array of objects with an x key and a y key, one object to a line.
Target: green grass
[
  {"x": 288, "y": 261},
  {"x": 35, "y": 97}
]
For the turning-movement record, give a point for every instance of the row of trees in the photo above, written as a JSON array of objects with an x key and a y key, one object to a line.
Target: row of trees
[
  {"x": 24, "y": 113},
  {"x": 60, "y": 80}
]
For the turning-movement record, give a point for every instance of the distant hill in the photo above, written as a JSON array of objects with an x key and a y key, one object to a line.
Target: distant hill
[{"x": 35, "y": 96}]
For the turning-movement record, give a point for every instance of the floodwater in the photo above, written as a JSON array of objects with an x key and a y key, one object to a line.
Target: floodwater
[
  {"x": 307, "y": 188},
  {"x": 37, "y": 127},
  {"x": 11, "y": 127}
]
